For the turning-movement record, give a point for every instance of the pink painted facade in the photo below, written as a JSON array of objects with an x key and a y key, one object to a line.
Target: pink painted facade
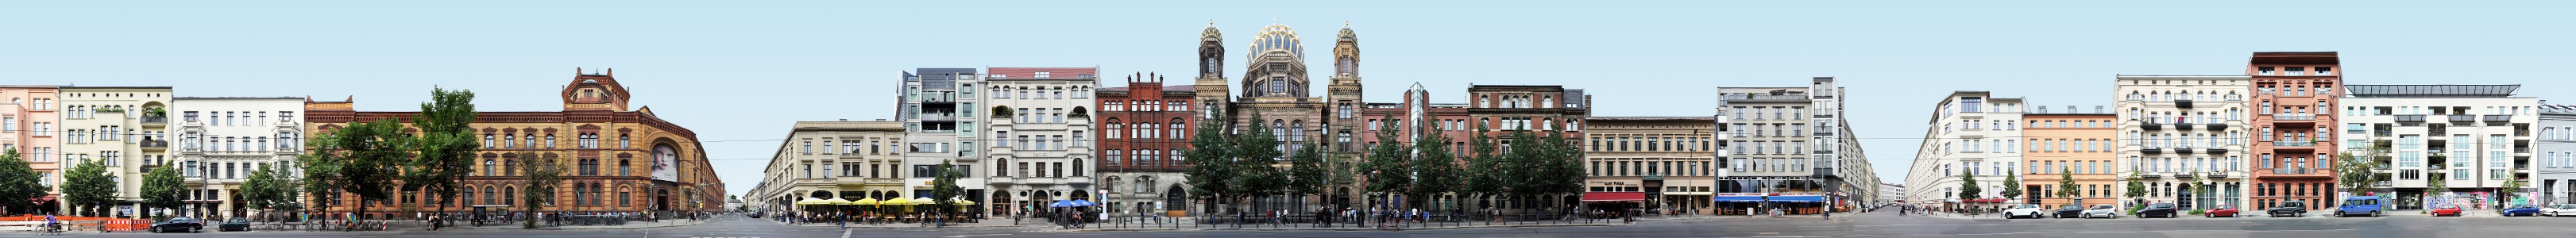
[{"x": 29, "y": 113}]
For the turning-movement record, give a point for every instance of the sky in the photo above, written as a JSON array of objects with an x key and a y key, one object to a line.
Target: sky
[{"x": 740, "y": 73}]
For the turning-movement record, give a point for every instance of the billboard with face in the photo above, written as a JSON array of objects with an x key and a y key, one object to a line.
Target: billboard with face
[{"x": 665, "y": 162}]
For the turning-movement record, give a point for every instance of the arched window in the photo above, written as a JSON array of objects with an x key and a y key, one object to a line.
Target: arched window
[
  {"x": 1077, "y": 167},
  {"x": 1002, "y": 167},
  {"x": 1114, "y": 129},
  {"x": 1175, "y": 129}
]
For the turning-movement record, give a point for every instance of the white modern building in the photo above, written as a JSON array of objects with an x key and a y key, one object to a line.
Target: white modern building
[
  {"x": 2556, "y": 172},
  {"x": 223, "y": 139},
  {"x": 125, "y": 129},
  {"x": 1039, "y": 149},
  {"x": 942, "y": 118},
  {"x": 2177, "y": 130},
  {"x": 1970, "y": 133},
  {"x": 2472, "y": 139}
]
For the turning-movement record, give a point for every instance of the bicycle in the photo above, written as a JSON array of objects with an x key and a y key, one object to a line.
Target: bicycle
[{"x": 52, "y": 229}]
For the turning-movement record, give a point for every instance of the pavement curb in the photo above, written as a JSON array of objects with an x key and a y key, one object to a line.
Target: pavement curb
[{"x": 1340, "y": 229}]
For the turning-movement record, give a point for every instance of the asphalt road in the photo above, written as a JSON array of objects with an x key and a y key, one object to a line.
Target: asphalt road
[{"x": 1861, "y": 225}]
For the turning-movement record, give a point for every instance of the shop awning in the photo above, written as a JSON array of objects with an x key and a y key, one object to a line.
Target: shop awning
[
  {"x": 1614, "y": 196},
  {"x": 1808, "y": 198}
]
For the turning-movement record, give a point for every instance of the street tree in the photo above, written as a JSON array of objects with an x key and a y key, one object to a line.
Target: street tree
[
  {"x": 2012, "y": 186},
  {"x": 19, "y": 183},
  {"x": 369, "y": 159},
  {"x": 1564, "y": 164},
  {"x": 446, "y": 146},
  {"x": 1386, "y": 160},
  {"x": 1968, "y": 186},
  {"x": 321, "y": 170},
  {"x": 1211, "y": 171},
  {"x": 1257, "y": 149},
  {"x": 89, "y": 189},
  {"x": 2359, "y": 173},
  {"x": 945, "y": 190},
  {"x": 2066, "y": 186},
  {"x": 1483, "y": 180},
  {"x": 1435, "y": 171},
  {"x": 1306, "y": 172},
  {"x": 266, "y": 191},
  {"x": 161, "y": 190},
  {"x": 537, "y": 181}
]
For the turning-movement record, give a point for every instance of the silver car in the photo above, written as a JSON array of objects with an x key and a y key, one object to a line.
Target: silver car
[{"x": 2103, "y": 211}]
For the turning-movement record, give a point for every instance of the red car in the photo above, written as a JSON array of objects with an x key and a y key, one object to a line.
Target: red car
[
  {"x": 2221, "y": 211},
  {"x": 2447, "y": 210}
]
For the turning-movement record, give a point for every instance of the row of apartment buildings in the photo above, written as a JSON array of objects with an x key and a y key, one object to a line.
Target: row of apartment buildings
[
  {"x": 1026, "y": 137},
  {"x": 217, "y": 142},
  {"x": 2254, "y": 141}
]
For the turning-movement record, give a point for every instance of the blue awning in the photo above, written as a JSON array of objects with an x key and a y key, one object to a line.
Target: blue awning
[{"x": 1817, "y": 199}]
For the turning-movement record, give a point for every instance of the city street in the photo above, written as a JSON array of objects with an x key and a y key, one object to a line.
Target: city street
[{"x": 1861, "y": 225}]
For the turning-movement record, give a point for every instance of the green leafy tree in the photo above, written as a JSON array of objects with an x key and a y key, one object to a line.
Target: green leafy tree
[
  {"x": 1520, "y": 176},
  {"x": 1211, "y": 172},
  {"x": 1563, "y": 164},
  {"x": 2137, "y": 185},
  {"x": 537, "y": 182},
  {"x": 1386, "y": 160},
  {"x": 369, "y": 160},
  {"x": 89, "y": 189},
  {"x": 2066, "y": 187},
  {"x": 944, "y": 188},
  {"x": 2435, "y": 187},
  {"x": 1257, "y": 149},
  {"x": 2359, "y": 174},
  {"x": 266, "y": 191},
  {"x": 1968, "y": 186},
  {"x": 1484, "y": 178},
  {"x": 2012, "y": 186},
  {"x": 2505, "y": 194},
  {"x": 446, "y": 146},
  {"x": 1306, "y": 172},
  {"x": 1435, "y": 171},
  {"x": 161, "y": 189},
  {"x": 321, "y": 170},
  {"x": 19, "y": 183}
]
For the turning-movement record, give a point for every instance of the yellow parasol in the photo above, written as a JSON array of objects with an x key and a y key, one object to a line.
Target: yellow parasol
[
  {"x": 812, "y": 201},
  {"x": 864, "y": 201}
]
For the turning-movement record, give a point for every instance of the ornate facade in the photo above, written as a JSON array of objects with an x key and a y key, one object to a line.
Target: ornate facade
[{"x": 615, "y": 159}]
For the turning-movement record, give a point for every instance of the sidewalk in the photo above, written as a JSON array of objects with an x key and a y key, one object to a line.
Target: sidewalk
[
  {"x": 908, "y": 225},
  {"x": 516, "y": 226},
  {"x": 1348, "y": 227}
]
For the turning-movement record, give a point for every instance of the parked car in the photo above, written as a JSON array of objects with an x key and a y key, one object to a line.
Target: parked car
[
  {"x": 2287, "y": 208},
  {"x": 2104, "y": 211},
  {"x": 2447, "y": 210},
  {"x": 2521, "y": 210},
  {"x": 2220, "y": 211},
  {"x": 2068, "y": 211},
  {"x": 2018, "y": 211},
  {"x": 2165, "y": 210},
  {"x": 235, "y": 224},
  {"x": 182, "y": 224},
  {"x": 2559, "y": 210},
  {"x": 2360, "y": 205}
]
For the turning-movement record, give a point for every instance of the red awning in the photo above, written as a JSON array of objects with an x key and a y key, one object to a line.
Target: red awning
[{"x": 1613, "y": 196}]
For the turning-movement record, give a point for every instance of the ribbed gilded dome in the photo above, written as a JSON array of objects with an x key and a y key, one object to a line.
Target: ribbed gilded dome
[{"x": 1277, "y": 37}]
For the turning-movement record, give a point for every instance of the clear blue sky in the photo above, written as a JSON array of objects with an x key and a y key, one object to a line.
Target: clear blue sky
[{"x": 739, "y": 73}]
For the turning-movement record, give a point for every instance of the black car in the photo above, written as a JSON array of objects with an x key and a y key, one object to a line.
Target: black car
[
  {"x": 183, "y": 224},
  {"x": 2165, "y": 210},
  {"x": 2287, "y": 208},
  {"x": 2067, "y": 211},
  {"x": 235, "y": 224}
]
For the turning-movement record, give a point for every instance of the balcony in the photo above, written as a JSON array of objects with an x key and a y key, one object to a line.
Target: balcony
[
  {"x": 2216, "y": 126},
  {"x": 2463, "y": 119},
  {"x": 2218, "y": 150},
  {"x": 155, "y": 144},
  {"x": 2294, "y": 117},
  {"x": 2294, "y": 144},
  {"x": 2151, "y": 125},
  {"x": 2298, "y": 171},
  {"x": 2182, "y": 103},
  {"x": 2499, "y": 118},
  {"x": 150, "y": 120},
  {"x": 2410, "y": 118},
  {"x": 2183, "y": 126},
  {"x": 938, "y": 117},
  {"x": 2182, "y": 150},
  {"x": 2149, "y": 149},
  {"x": 2218, "y": 175}
]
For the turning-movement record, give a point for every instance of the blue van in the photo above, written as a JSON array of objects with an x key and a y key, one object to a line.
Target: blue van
[{"x": 2360, "y": 205}]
